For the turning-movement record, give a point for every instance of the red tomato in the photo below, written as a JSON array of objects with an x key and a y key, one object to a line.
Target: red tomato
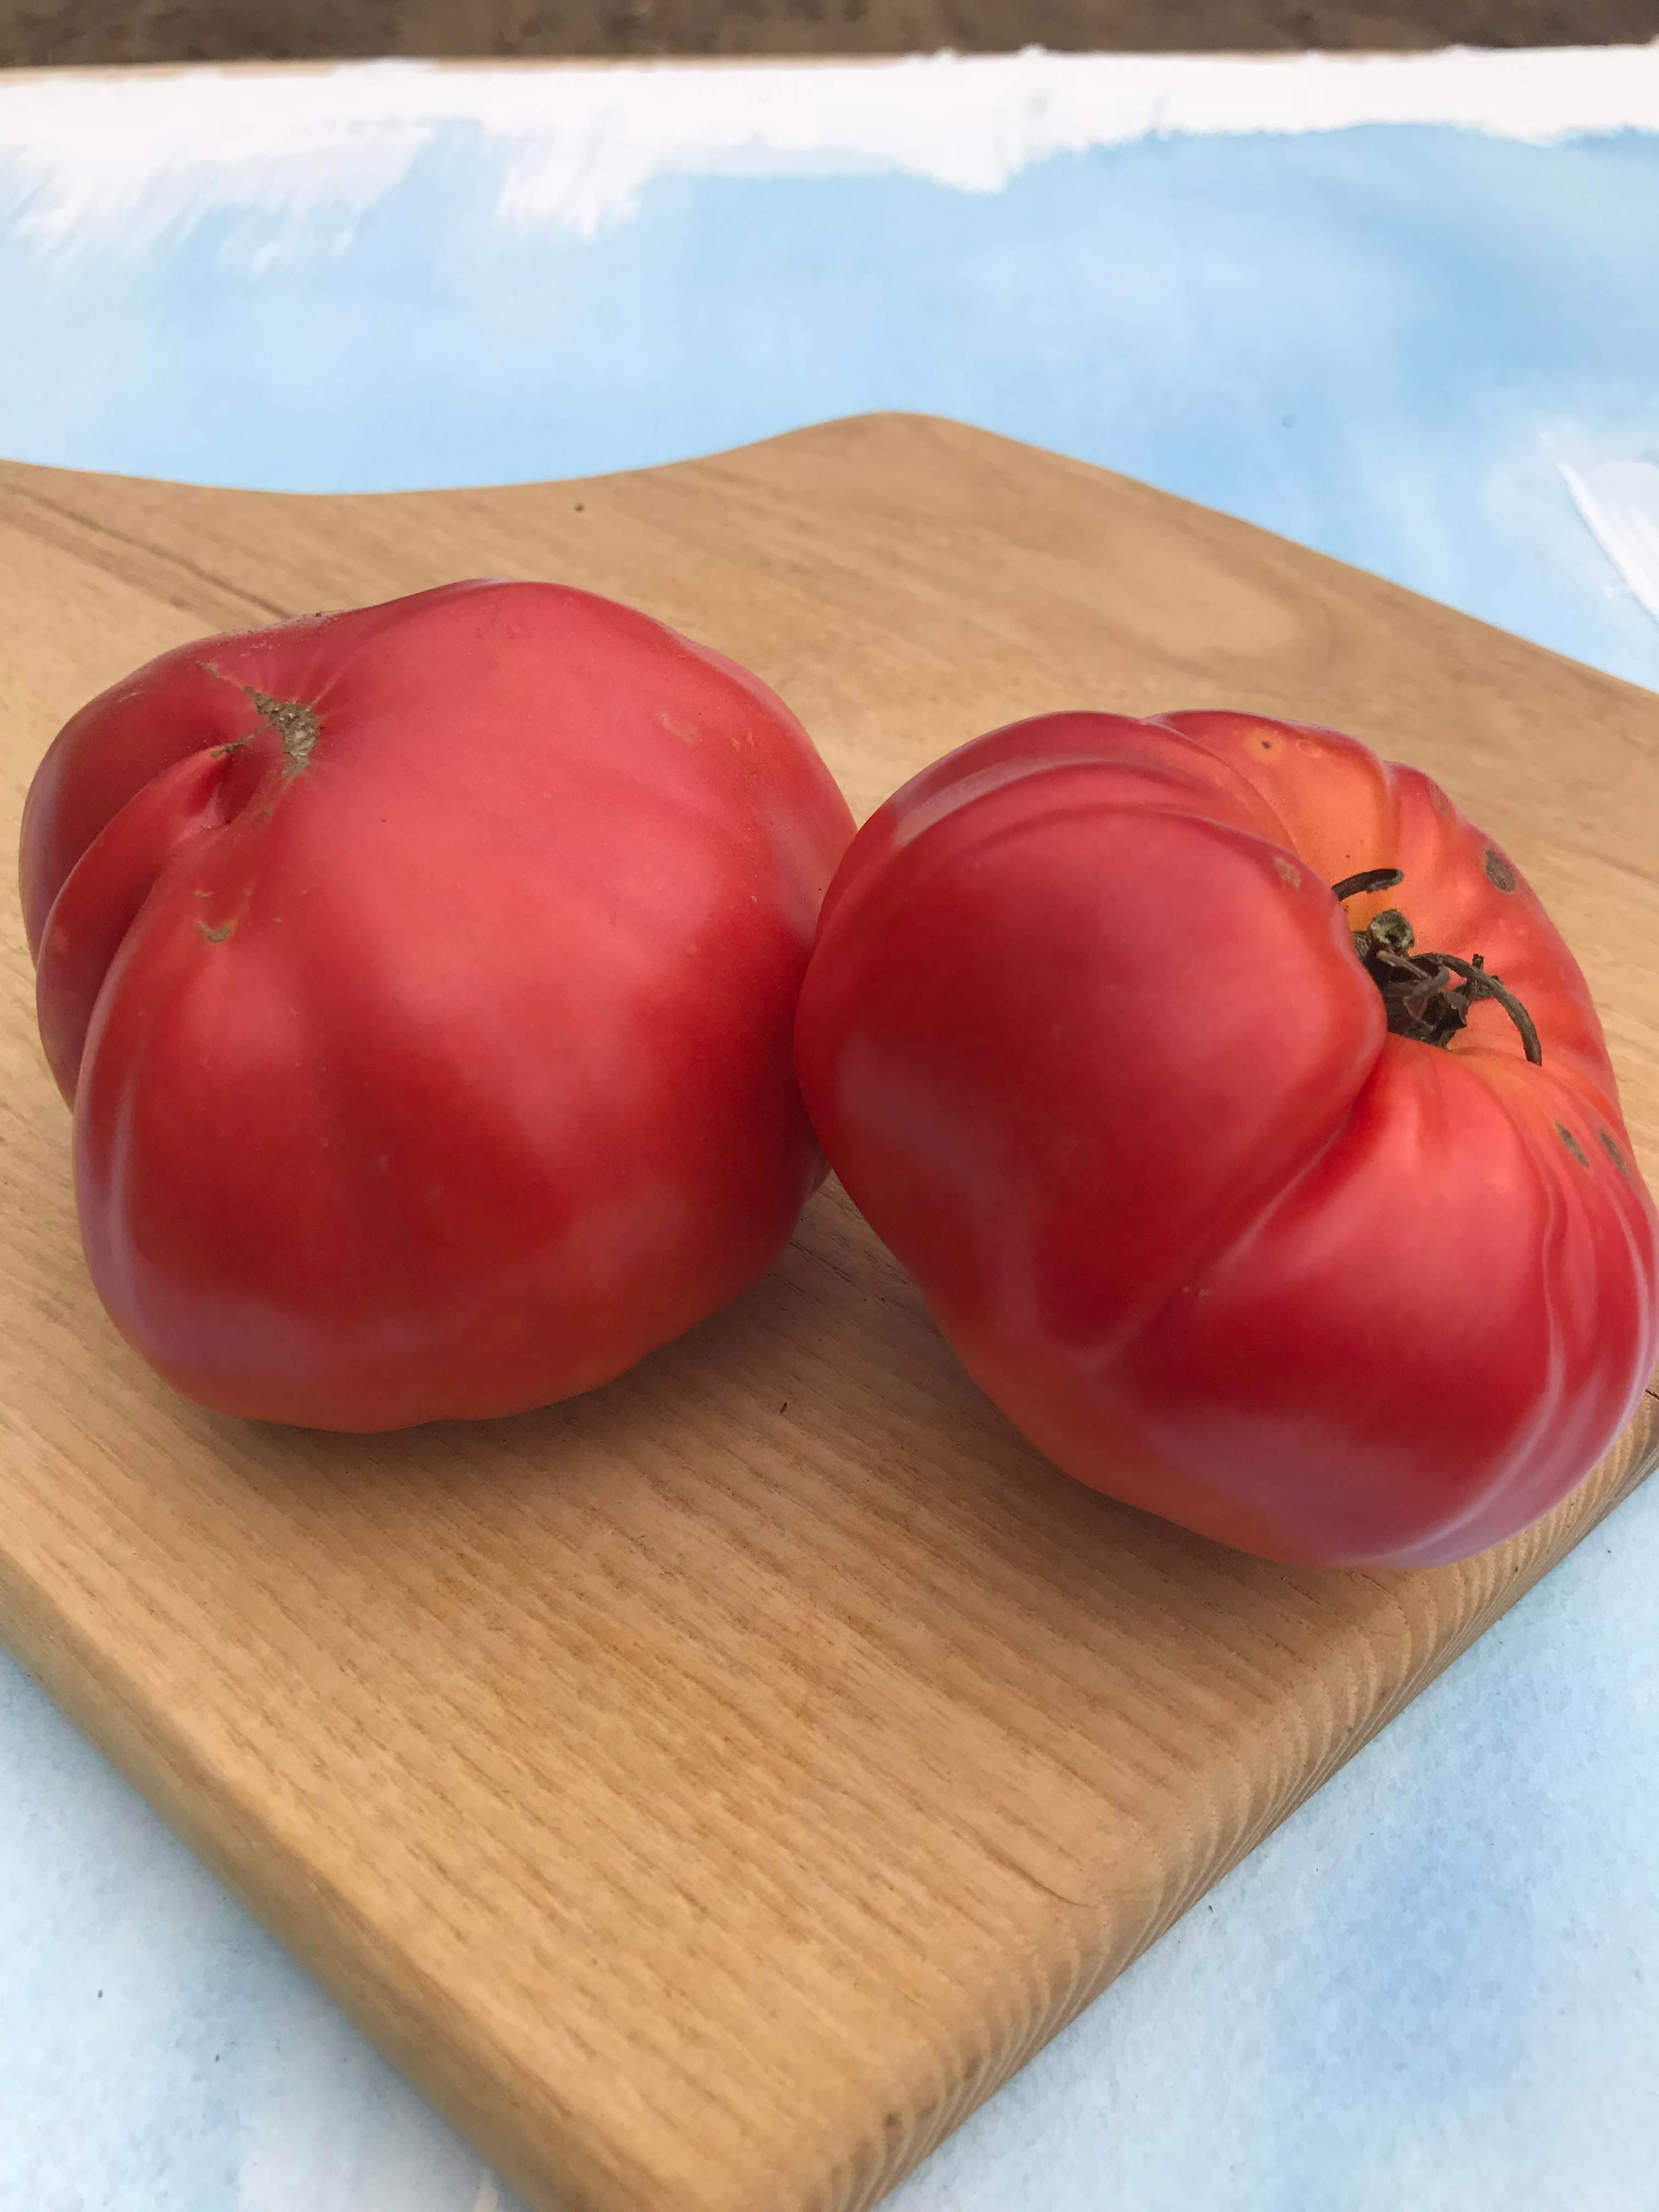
[
  {"x": 423, "y": 978},
  {"x": 1331, "y": 1275}
]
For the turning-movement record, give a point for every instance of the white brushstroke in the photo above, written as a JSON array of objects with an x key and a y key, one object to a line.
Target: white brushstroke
[
  {"x": 118, "y": 160},
  {"x": 1618, "y": 502}
]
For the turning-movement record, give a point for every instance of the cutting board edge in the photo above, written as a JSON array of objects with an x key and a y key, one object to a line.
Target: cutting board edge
[
  {"x": 1638, "y": 1444},
  {"x": 269, "y": 1879},
  {"x": 318, "y": 1927},
  {"x": 864, "y": 420}
]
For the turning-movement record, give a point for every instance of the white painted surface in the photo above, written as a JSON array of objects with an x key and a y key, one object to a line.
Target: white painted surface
[
  {"x": 116, "y": 157},
  {"x": 1619, "y": 503}
]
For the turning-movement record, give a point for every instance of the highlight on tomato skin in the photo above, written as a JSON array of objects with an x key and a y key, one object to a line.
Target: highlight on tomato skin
[
  {"x": 1247, "y": 1124},
  {"x": 423, "y": 979}
]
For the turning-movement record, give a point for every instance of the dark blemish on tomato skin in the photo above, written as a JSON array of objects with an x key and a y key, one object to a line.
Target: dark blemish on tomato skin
[
  {"x": 1571, "y": 1143},
  {"x": 215, "y": 936},
  {"x": 1499, "y": 874},
  {"x": 1613, "y": 1153}
]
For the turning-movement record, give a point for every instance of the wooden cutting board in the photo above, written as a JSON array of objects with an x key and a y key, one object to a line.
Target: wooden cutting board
[{"x": 709, "y": 1791}]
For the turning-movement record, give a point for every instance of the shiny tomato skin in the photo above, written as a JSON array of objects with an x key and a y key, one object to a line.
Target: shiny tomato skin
[
  {"x": 1087, "y": 1040},
  {"x": 423, "y": 978}
]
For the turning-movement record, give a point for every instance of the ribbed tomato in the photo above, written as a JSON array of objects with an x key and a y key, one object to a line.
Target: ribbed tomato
[
  {"x": 1172, "y": 1058},
  {"x": 423, "y": 979}
]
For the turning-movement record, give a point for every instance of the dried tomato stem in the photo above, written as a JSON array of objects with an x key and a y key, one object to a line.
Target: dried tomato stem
[
  {"x": 1483, "y": 986},
  {"x": 1417, "y": 987}
]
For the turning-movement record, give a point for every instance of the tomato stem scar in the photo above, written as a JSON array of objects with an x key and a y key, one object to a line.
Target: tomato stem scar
[
  {"x": 295, "y": 725},
  {"x": 1422, "y": 999}
]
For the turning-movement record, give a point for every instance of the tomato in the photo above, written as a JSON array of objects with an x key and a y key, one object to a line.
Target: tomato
[
  {"x": 1245, "y": 1205},
  {"x": 424, "y": 978}
]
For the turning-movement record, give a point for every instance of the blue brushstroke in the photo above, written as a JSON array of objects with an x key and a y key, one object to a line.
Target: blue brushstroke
[{"x": 1361, "y": 339}]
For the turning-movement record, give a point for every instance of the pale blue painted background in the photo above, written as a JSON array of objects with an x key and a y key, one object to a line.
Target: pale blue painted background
[
  {"x": 1370, "y": 340},
  {"x": 1439, "y": 1985}
]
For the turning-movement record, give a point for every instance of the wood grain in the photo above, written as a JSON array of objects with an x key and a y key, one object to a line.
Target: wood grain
[{"x": 710, "y": 1790}]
